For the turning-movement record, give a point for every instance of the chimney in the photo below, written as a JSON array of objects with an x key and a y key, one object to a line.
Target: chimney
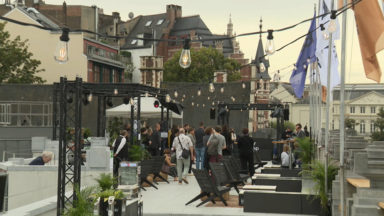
[
  {"x": 116, "y": 15},
  {"x": 173, "y": 12}
]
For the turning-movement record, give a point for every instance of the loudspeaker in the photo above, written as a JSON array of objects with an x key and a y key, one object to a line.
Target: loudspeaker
[
  {"x": 286, "y": 114},
  {"x": 212, "y": 113}
]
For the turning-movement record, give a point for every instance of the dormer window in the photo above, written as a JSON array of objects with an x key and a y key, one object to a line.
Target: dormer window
[
  {"x": 133, "y": 42},
  {"x": 148, "y": 23},
  {"x": 160, "y": 22}
]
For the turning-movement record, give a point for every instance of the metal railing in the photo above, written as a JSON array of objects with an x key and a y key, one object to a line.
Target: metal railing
[{"x": 25, "y": 113}]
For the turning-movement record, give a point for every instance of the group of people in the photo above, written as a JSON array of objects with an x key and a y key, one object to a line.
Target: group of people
[{"x": 286, "y": 156}]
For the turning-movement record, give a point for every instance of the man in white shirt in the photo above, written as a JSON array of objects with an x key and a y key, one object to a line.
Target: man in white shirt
[
  {"x": 285, "y": 157},
  {"x": 179, "y": 143}
]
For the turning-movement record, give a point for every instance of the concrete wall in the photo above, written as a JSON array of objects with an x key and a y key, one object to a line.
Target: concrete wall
[{"x": 43, "y": 44}]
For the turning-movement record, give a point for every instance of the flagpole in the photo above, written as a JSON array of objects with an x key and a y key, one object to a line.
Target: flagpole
[
  {"x": 330, "y": 47},
  {"x": 342, "y": 108}
]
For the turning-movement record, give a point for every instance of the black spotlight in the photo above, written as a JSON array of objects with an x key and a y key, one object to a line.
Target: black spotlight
[
  {"x": 109, "y": 102},
  {"x": 85, "y": 100},
  {"x": 156, "y": 104},
  {"x": 126, "y": 100}
]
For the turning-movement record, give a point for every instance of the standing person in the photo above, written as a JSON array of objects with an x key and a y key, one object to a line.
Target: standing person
[
  {"x": 227, "y": 136},
  {"x": 120, "y": 151},
  {"x": 191, "y": 135},
  {"x": 207, "y": 134},
  {"x": 245, "y": 145},
  {"x": 306, "y": 131},
  {"x": 235, "y": 149},
  {"x": 299, "y": 132},
  {"x": 287, "y": 134},
  {"x": 179, "y": 143},
  {"x": 156, "y": 141},
  {"x": 200, "y": 147},
  {"x": 186, "y": 128},
  {"x": 174, "y": 133},
  {"x": 222, "y": 142}
]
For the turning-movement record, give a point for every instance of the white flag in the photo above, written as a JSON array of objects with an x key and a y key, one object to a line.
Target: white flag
[{"x": 322, "y": 48}]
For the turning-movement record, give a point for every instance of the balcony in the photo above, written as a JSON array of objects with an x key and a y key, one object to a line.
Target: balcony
[{"x": 112, "y": 59}]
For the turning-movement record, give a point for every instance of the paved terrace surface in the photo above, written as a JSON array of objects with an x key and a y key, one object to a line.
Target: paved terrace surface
[{"x": 170, "y": 200}]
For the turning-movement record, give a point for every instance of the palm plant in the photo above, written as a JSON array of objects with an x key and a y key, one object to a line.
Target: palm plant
[
  {"x": 317, "y": 173},
  {"x": 84, "y": 204},
  {"x": 106, "y": 181},
  {"x": 306, "y": 151},
  {"x": 137, "y": 153}
]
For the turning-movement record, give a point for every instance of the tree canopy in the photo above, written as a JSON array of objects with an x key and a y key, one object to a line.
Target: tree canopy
[
  {"x": 205, "y": 62},
  {"x": 379, "y": 123},
  {"x": 16, "y": 62}
]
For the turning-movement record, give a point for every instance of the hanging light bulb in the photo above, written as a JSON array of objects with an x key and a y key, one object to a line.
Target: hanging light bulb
[
  {"x": 146, "y": 94},
  {"x": 213, "y": 103},
  {"x": 193, "y": 104},
  {"x": 305, "y": 66},
  {"x": 209, "y": 98},
  {"x": 131, "y": 101},
  {"x": 167, "y": 98},
  {"x": 176, "y": 94},
  {"x": 233, "y": 99},
  {"x": 211, "y": 87},
  {"x": 332, "y": 23},
  {"x": 203, "y": 105},
  {"x": 115, "y": 92},
  {"x": 243, "y": 84},
  {"x": 199, "y": 92},
  {"x": 262, "y": 67},
  {"x": 156, "y": 96},
  {"x": 270, "y": 49},
  {"x": 182, "y": 99},
  {"x": 222, "y": 89},
  {"x": 89, "y": 98},
  {"x": 61, "y": 53},
  {"x": 185, "y": 57},
  {"x": 197, "y": 105}
]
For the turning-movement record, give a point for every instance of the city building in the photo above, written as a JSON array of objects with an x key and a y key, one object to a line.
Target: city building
[
  {"x": 362, "y": 103},
  {"x": 151, "y": 69},
  {"x": 171, "y": 25}
]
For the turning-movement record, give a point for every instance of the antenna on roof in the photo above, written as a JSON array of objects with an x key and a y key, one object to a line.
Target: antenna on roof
[{"x": 131, "y": 15}]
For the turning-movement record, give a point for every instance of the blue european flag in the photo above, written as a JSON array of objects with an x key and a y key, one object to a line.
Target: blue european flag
[{"x": 307, "y": 56}]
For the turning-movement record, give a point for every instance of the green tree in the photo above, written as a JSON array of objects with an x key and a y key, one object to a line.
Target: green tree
[
  {"x": 350, "y": 123},
  {"x": 379, "y": 123},
  {"x": 205, "y": 62},
  {"x": 16, "y": 62}
]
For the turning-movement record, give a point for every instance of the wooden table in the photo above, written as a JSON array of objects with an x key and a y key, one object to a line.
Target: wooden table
[
  {"x": 359, "y": 183},
  {"x": 260, "y": 187}
]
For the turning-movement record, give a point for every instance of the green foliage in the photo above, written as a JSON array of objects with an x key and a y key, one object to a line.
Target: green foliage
[
  {"x": 287, "y": 124},
  {"x": 137, "y": 153},
  {"x": 379, "y": 123},
  {"x": 118, "y": 194},
  {"x": 317, "y": 173},
  {"x": 350, "y": 123},
  {"x": 84, "y": 203},
  {"x": 106, "y": 181},
  {"x": 114, "y": 127},
  {"x": 86, "y": 133},
  {"x": 126, "y": 54},
  {"x": 16, "y": 63},
  {"x": 205, "y": 62},
  {"x": 306, "y": 150}
]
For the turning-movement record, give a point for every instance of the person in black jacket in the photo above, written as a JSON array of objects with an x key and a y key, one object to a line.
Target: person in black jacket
[
  {"x": 120, "y": 151},
  {"x": 245, "y": 145}
]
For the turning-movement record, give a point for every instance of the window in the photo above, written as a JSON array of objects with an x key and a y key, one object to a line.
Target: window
[
  {"x": 362, "y": 127},
  {"x": 373, "y": 109},
  {"x": 133, "y": 42},
  {"x": 160, "y": 22},
  {"x": 373, "y": 128},
  {"x": 362, "y": 109},
  {"x": 148, "y": 23},
  {"x": 265, "y": 86},
  {"x": 352, "y": 109}
]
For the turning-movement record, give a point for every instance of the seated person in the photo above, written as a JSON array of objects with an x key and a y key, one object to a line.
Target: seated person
[
  {"x": 169, "y": 167},
  {"x": 71, "y": 155},
  {"x": 45, "y": 157},
  {"x": 285, "y": 157}
]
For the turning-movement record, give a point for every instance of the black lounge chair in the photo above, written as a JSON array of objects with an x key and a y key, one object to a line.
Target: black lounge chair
[
  {"x": 146, "y": 167},
  {"x": 222, "y": 176},
  {"x": 208, "y": 188},
  {"x": 158, "y": 162},
  {"x": 234, "y": 170}
]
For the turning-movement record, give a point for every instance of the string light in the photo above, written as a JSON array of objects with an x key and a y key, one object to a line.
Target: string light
[
  {"x": 270, "y": 49},
  {"x": 199, "y": 92},
  {"x": 131, "y": 101},
  {"x": 203, "y": 105},
  {"x": 167, "y": 98},
  {"x": 213, "y": 103},
  {"x": 183, "y": 95},
  {"x": 222, "y": 89},
  {"x": 209, "y": 98},
  {"x": 197, "y": 105},
  {"x": 115, "y": 92},
  {"x": 332, "y": 23},
  {"x": 89, "y": 98},
  {"x": 243, "y": 84},
  {"x": 185, "y": 57},
  {"x": 193, "y": 104},
  {"x": 176, "y": 94},
  {"x": 146, "y": 94},
  {"x": 61, "y": 53},
  {"x": 211, "y": 87}
]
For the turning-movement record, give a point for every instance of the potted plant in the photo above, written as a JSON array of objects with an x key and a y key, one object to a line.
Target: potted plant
[
  {"x": 317, "y": 173},
  {"x": 103, "y": 203},
  {"x": 305, "y": 151},
  {"x": 84, "y": 204},
  {"x": 106, "y": 183},
  {"x": 137, "y": 153}
]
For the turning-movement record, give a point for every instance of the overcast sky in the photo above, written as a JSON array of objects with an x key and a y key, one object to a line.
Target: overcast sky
[{"x": 245, "y": 17}]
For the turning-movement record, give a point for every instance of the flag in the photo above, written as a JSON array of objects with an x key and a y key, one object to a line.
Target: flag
[
  {"x": 308, "y": 50},
  {"x": 322, "y": 50},
  {"x": 370, "y": 30}
]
